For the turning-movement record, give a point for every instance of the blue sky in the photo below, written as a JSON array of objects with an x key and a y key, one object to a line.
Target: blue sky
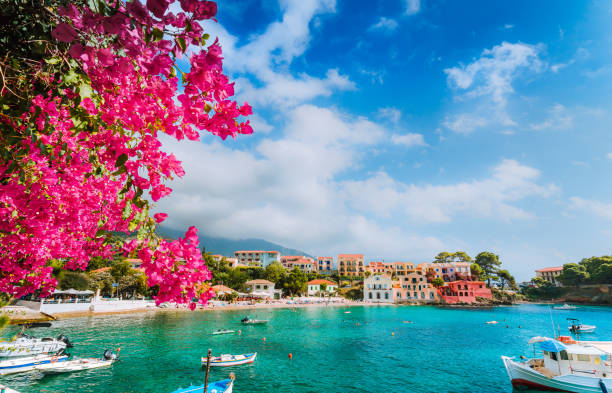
[{"x": 400, "y": 129}]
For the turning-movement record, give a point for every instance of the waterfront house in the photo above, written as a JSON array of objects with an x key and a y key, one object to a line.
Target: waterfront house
[
  {"x": 325, "y": 265},
  {"x": 375, "y": 267},
  {"x": 451, "y": 271},
  {"x": 351, "y": 265},
  {"x": 550, "y": 274},
  {"x": 221, "y": 290},
  {"x": 304, "y": 263},
  {"x": 378, "y": 288},
  {"x": 314, "y": 287},
  {"x": 257, "y": 258},
  {"x": 262, "y": 289},
  {"x": 464, "y": 291},
  {"x": 414, "y": 288}
]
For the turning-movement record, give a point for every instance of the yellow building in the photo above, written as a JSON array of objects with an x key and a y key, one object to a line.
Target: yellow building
[{"x": 351, "y": 265}]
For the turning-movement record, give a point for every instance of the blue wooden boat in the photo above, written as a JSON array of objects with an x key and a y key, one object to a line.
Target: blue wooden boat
[
  {"x": 223, "y": 386},
  {"x": 230, "y": 360},
  {"x": 29, "y": 363}
]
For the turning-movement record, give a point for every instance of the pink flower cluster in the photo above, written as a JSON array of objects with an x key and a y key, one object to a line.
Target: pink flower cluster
[{"x": 87, "y": 175}]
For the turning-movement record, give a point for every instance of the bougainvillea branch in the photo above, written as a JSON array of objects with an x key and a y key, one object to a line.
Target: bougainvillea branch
[{"x": 80, "y": 149}]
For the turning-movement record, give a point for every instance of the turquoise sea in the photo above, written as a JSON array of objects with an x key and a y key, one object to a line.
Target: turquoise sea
[{"x": 369, "y": 349}]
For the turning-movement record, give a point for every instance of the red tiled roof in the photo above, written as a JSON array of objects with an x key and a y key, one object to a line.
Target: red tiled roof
[
  {"x": 350, "y": 255},
  {"x": 320, "y": 258},
  {"x": 550, "y": 269},
  {"x": 319, "y": 282}
]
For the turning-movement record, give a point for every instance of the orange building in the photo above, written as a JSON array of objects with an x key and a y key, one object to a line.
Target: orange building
[{"x": 351, "y": 265}]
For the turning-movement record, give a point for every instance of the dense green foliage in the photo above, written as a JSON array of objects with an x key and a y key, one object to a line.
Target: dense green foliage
[{"x": 446, "y": 257}]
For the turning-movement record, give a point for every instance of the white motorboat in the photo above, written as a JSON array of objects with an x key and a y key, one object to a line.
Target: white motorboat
[
  {"x": 249, "y": 321},
  {"x": 578, "y": 328},
  {"x": 230, "y": 360},
  {"x": 29, "y": 363},
  {"x": 565, "y": 307},
  {"x": 79, "y": 364},
  {"x": 26, "y": 345},
  {"x": 565, "y": 366},
  {"x": 223, "y": 331}
]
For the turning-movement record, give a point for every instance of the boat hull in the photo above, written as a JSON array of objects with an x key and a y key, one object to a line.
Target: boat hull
[
  {"x": 74, "y": 365},
  {"x": 523, "y": 377},
  {"x": 29, "y": 363},
  {"x": 17, "y": 349},
  {"x": 224, "y": 386},
  {"x": 250, "y": 358}
]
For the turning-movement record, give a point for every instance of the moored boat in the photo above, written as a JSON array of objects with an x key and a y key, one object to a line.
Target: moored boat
[
  {"x": 79, "y": 364},
  {"x": 223, "y": 386},
  {"x": 26, "y": 345},
  {"x": 5, "y": 389},
  {"x": 565, "y": 307},
  {"x": 29, "y": 363},
  {"x": 249, "y": 321},
  {"x": 223, "y": 331},
  {"x": 578, "y": 367},
  {"x": 577, "y": 327},
  {"x": 230, "y": 360}
]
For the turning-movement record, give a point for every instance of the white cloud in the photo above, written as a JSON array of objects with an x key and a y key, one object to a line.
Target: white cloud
[
  {"x": 580, "y": 54},
  {"x": 408, "y": 140},
  {"x": 261, "y": 65},
  {"x": 508, "y": 26},
  {"x": 390, "y": 114},
  {"x": 559, "y": 119},
  {"x": 597, "y": 208},
  {"x": 259, "y": 124},
  {"x": 491, "y": 197},
  {"x": 384, "y": 24},
  {"x": 412, "y": 6},
  {"x": 609, "y": 156},
  {"x": 464, "y": 123}
]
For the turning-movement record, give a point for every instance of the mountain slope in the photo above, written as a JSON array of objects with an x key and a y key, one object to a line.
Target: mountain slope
[{"x": 226, "y": 247}]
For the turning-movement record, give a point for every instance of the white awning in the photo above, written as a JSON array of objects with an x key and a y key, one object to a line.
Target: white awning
[
  {"x": 72, "y": 291},
  {"x": 584, "y": 350}
]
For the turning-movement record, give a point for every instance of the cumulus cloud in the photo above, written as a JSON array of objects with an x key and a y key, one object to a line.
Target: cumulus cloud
[
  {"x": 408, "y": 140},
  {"x": 490, "y": 197},
  {"x": 597, "y": 208},
  {"x": 464, "y": 123},
  {"x": 384, "y": 24},
  {"x": 260, "y": 66}
]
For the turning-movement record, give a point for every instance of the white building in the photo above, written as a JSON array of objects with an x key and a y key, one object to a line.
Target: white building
[
  {"x": 378, "y": 288},
  {"x": 257, "y": 258},
  {"x": 263, "y": 289},
  {"x": 314, "y": 287}
]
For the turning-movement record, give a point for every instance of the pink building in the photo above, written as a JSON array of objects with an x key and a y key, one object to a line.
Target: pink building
[
  {"x": 376, "y": 267},
  {"x": 464, "y": 291}
]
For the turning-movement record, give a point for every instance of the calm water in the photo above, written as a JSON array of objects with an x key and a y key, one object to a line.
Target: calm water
[{"x": 444, "y": 350}]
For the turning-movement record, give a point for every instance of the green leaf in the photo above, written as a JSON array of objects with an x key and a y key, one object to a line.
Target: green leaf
[
  {"x": 181, "y": 43},
  {"x": 157, "y": 34},
  {"x": 53, "y": 60},
  {"x": 206, "y": 36},
  {"x": 85, "y": 90},
  {"x": 121, "y": 160}
]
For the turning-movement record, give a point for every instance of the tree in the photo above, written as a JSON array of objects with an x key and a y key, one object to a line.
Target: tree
[
  {"x": 447, "y": 257},
  {"x": 275, "y": 272},
  {"x": 443, "y": 257},
  {"x": 75, "y": 280},
  {"x": 489, "y": 263},
  {"x": 506, "y": 278},
  {"x": 296, "y": 282},
  {"x": 120, "y": 269},
  {"x": 476, "y": 271},
  {"x": 134, "y": 282},
  {"x": 102, "y": 281},
  {"x": 88, "y": 88},
  {"x": 236, "y": 279},
  {"x": 437, "y": 282},
  {"x": 573, "y": 274},
  {"x": 323, "y": 286},
  {"x": 603, "y": 274}
]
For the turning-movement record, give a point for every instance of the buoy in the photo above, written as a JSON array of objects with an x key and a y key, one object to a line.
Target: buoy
[
  {"x": 290, "y": 356},
  {"x": 239, "y": 331},
  {"x": 393, "y": 334},
  {"x": 264, "y": 339}
]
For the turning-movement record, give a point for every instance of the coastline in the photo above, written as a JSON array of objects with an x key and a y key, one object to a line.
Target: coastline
[{"x": 209, "y": 307}]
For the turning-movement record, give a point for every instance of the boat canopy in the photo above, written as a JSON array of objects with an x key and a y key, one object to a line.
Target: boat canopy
[
  {"x": 538, "y": 339},
  {"x": 552, "y": 346},
  {"x": 584, "y": 350}
]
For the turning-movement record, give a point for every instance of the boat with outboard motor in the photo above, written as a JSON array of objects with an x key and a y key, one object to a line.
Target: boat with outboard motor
[
  {"x": 79, "y": 364},
  {"x": 223, "y": 331},
  {"x": 26, "y": 345},
  {"x": 577, "y": 327},
  {"x": 29, "y": 363},
  {"x": 565, "y": 307},
  {"x": 223, "y": 386},
  {"x": 249, "y": 321},
  {"x": 230, "y": 360},
  {"x": 565, "y": 366}
]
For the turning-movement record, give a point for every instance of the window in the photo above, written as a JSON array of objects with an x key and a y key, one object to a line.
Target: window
[
  {"x": 583, "y": 358},
  {"x": 266, "y": 287},
  {"x": 422, "y": 295},
  {"x": 386, "y": 295},
  {"x": 553, "y": 356},
  {"x": 377, "y": 295},
  {"x": 370, "y": 295},
  {"x": 563, "y": 355}
]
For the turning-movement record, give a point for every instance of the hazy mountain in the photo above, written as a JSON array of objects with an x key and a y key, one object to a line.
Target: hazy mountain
[{"x": 226, "y": 247}]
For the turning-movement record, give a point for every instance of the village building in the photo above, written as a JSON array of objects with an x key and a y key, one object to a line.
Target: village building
[
  {"x": 550, "y": 274},
  {"x": 464, "y": 291},
  {"x": 378, "y": 288},
  {"x": 351, "y": 265},
  {"x": 314, "y": 287},
  {"x": 257, "y": 258}
]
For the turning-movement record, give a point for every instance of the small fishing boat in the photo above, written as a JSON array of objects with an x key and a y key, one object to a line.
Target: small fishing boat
[
  {"x": 492, "y": 322},
  {"x": 577, "y": 327},
  {"x": 223, "y": 331},
  {"x": 565, "y": 366},
  {"x": 565, "y": 307},
  {"x": 230, "y": 360},
  {"x": 26, "y": 345},
  {"x": 5, "y": 389},
  {"x": 223, "y": 386},
  {"x": 249, "y": 321},
  {"x": 29, "y": 363},
  {"x": 79, "y": 364}
]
